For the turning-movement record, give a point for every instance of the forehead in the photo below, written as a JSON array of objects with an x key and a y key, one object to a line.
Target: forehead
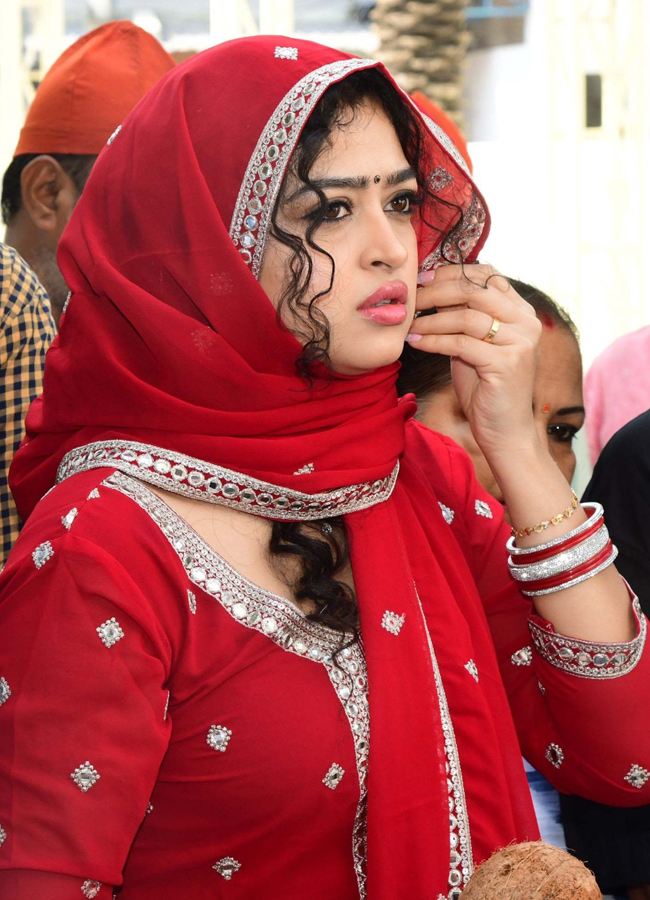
[
  {"x": 366, "y": 139},
  {"x": 559, "y": 361}
]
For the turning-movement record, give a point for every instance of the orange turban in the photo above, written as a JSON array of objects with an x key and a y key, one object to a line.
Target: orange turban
[
  {"x": 440, "y": 117},
  {"x": 91, "y": 88}
]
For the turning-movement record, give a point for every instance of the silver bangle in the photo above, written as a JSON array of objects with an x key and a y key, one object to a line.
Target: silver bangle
[
  {"x": 567, "y": 584},
  {"x": 523, "y": 551},
  {"x": 562, "y": 561}
]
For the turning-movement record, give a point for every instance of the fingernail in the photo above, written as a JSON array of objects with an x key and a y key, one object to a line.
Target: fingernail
[
  {"x": 426, "y": 277},
  {"x": 413, "y": 338}
]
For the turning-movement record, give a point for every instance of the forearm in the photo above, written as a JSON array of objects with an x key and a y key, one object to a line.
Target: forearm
[{"x": 534, "y": 490}]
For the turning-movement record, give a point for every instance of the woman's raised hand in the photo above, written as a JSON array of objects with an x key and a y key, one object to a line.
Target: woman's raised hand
[{"x": 492, "y": 336}]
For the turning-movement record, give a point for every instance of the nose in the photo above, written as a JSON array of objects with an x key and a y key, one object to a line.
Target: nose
[{"x": 386, "y": 241}]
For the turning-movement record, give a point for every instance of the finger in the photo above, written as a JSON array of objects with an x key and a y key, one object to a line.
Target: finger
[
  {"x": 473, "y": 351},
  {"x": 471, "y": 322},
  {"x": 473, "y": 281},
  {"x": 492, "y": 302}
]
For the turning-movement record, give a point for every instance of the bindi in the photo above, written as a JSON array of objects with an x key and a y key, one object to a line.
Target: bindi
[{"x": 377, "y": 179}]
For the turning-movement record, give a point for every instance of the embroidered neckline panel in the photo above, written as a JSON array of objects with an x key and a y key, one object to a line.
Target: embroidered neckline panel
[
  {"x": 279, "y": 620},
  {"x": 200, "y": 480}
]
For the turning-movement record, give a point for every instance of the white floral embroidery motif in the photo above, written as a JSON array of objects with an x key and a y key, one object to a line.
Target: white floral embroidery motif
[
  {"x": 91, "y": 888},
  {"x": 227, "y": 867},
  {"x": 305, "y": 470},
  {"x": 3, "y": 835},
  {"x": 68, "y": 519},
  {"x": 218, "y": 737},
  {"x": 482, "y": 509},
  {"x": 637, "y": 776},
  {"x": 42, "y": 553},
  {"x": 447, "y": 514},
  {"x": 286, "y": 53},
  {"x": 191, "y": 599},
  {"x": 555, "y": 755},
  {"x": 472, "y": 669},
  {"x": 93, "y": 495},
  {"x": 392, "y": 622},
  {"x": 85, "y": 776},
  {"x": 334, "y": 775},
  {"x": 110, "y": 632},
  {"x": 523, "y": 657},
  {"x": 5, "y": 691},
  {"x": 439, "y": 179}
]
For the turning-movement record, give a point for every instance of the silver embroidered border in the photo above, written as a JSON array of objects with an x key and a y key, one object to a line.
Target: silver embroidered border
[
  {"x": 587, "y": 658},
  {"x": 283, "y": 623},
  {"x": 299, "y": 103},
  {"x": 232, "y": 489},
  {"x": 471, "y": 229},
  {"x": 457, "y": 788}
]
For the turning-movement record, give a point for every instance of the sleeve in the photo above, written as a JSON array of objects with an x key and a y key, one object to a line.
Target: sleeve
[
  {"x": 84, "y": 663},
  {"x": 581, "y": 710}
]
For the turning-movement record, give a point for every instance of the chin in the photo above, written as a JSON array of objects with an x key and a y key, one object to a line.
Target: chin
[{"x": 368, "y": 361}]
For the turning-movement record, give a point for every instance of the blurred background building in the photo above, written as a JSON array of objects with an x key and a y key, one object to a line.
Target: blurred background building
[{"x": 552, "y": 94}]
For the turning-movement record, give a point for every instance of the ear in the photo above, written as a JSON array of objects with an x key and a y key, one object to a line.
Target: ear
[{"x": 48, "y": 193}]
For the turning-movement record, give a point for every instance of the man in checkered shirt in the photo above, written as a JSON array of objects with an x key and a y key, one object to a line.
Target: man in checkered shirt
[
  {"x": 82, "y": 99},
  {"x": 26, "y": 331}
]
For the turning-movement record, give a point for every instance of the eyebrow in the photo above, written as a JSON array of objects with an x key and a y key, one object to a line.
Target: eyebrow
[
  {"x": 355, "y": 183},
  {"x": 569, "y": 410}
]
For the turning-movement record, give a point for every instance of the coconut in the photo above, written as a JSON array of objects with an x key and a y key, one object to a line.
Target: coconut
[{"x": 532, "y": 871}]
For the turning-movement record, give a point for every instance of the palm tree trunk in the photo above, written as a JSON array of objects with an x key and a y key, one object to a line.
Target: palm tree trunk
[{"x": 423, "y": 43}]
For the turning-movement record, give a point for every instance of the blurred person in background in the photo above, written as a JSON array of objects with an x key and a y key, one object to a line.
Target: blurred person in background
[
  {"x": 82, "y": 99},
  {"x": 617, "y": 388}
]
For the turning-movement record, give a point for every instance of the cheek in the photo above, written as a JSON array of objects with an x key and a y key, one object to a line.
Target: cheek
[{"x": 565, "y": 459}]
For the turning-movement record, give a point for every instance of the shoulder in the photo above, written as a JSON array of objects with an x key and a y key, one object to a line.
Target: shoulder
[
  {"x": 20, "y": 289},
  {"x": 620, "y": 350},
  {"x": 86, "y": 524},
  {"x": 631, "y": 445}
]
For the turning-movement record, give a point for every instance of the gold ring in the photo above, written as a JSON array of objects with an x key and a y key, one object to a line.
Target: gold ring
[{"x": 494, "y": 327}]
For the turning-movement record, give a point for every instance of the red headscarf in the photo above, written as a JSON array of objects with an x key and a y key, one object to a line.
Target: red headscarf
[{"x": 170, "y": 340}]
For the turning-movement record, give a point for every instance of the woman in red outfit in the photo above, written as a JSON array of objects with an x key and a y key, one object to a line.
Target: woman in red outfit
[{"x": 261, "y": 640}]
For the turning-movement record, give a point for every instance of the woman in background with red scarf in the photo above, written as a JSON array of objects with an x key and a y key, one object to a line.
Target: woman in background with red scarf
[{"x": 260, "y": 640}]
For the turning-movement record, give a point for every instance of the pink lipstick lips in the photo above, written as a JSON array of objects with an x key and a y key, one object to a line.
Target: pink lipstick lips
[{"x": 387, "y": 306}]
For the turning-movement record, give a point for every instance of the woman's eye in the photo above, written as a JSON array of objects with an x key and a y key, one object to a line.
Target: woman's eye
[
  {"x": 562, "y": 432},
  {"x": 403, "y": 204},
  {"x": 335, "y": 211}
]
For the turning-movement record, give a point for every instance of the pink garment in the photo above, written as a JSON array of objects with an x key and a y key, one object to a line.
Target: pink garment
[{"x": 617, "y": 388}]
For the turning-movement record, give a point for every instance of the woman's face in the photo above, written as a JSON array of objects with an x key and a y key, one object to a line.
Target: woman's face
[
  {"x": 367, "y": 231},
  {"x": 557, "y": 405}
]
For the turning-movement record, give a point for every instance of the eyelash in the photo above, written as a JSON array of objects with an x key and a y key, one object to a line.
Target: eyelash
[
  {"x": 414, "y": 201},
  {"x": 567, "y": 437}
]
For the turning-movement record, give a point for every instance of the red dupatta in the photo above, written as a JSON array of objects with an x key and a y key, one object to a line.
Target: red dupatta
[{"x": 170, "y": 341}]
